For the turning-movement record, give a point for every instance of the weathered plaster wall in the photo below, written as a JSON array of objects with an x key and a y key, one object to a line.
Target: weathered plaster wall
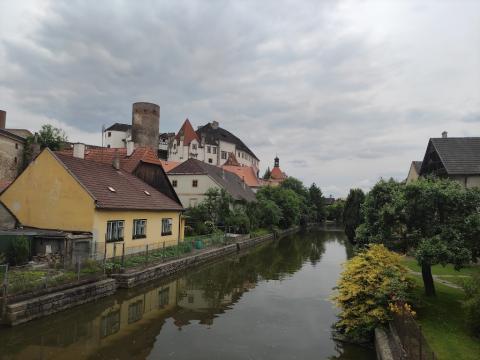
[
  {"x": 11, "y": 158},
  {"x": 45, "y": 195}
]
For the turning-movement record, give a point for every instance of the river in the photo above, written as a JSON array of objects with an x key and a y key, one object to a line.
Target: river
[{"x": 270, "y": 303}]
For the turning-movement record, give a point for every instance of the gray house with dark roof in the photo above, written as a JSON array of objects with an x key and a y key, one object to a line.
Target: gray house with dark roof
[
  {"x": 193, "y": 178},
  {"x": 457, "y": 158}
]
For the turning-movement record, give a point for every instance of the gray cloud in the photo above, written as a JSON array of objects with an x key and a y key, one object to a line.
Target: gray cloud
[{"x": 326, "y": 87}]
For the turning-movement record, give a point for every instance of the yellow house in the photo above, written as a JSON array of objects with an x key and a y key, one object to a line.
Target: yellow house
[{"x": 67, "y": 193}]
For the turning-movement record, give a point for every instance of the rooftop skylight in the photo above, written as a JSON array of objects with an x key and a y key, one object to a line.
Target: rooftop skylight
[{"x": 111, "y": 189}]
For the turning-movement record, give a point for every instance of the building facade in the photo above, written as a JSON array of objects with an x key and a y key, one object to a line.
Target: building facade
[
  {"x": 62, "y": 192},
  {"x": 193, "y": 178}
]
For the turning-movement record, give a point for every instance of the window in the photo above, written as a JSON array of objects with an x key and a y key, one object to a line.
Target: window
[
  {"x": 115, "y": 230},
  {"x": 139, "y": 229},
  {"x": 166, "y": 227},
  {"x": 194, "y": 146},
  {"x": 224, "y": 154},
  {"x": 16, "y": 145},
  {"x": 174, "y": 183},
  {"x": 109, "y": 134},
  {"x": 16, "y": 160},
  {"x": 214, "y": 149},
  {"x": 194, "y": 183},
  {"x": 135, "y": 311},
  {"x": 110, "y": 324},
  {"x": 163, "y": 297},
  {"x": 209, "y": 149},
  {"x": 210, "y": 161}
]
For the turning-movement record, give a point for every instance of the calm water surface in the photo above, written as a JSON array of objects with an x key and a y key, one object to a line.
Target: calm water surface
[{"x": 271, "y": 303}]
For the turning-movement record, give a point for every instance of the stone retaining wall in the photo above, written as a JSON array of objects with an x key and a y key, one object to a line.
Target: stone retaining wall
[
  {"x": 27, "y": 310},
  {"x": 133, "y": 279}
]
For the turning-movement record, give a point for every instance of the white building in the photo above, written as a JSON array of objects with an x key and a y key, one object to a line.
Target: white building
[
  {"x": 117, "y": 135},
  {"x": 192, "y": 178},
  {"x": 210, "y": 144}
]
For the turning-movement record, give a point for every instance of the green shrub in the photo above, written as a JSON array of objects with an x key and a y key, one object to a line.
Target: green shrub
[
  {"x": 472, "y": 303},
  {"x": 3, "y": 258},
  {"x": 19, "y": 251}
]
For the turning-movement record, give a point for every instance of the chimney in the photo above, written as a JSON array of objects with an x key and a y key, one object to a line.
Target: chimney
[
  {"x": 444, "y": 134},
  {"x": 3, "y": 119},
  {"x": 215, "y": 124},
  {"x": 116, "y": 162},
  {"x": 79, "y": 150},
  {"x": 130, "y": 147}
]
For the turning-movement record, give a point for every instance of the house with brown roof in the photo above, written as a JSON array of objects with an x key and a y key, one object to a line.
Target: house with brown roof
[
  {"x": 193, "y": 178},
  {"x": 58, "y": 191},
  {"x": 457, "y": 158}
]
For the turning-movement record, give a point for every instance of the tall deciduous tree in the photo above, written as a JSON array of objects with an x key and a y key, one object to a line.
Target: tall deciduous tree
[
  {"x": 352, "y": 212},
  {"x": 316, "y": 202}
]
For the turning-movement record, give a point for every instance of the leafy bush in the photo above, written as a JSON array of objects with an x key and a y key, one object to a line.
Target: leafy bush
[
  {"x": 369, "y": 289},
  {"x": 19, "y": 251},
  {"x": 472, "y": 303}
]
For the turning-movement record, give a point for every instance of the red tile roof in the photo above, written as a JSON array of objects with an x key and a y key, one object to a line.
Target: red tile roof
[
  {"x": 246, "y": 173},
  {"x": 277, "y": 174},
  {"x": 130, "y": 192},
  {"x": 187, "y": 132}
]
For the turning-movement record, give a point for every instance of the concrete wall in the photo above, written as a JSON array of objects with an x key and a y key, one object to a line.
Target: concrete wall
[
  {"x": 189, "y": 195},
  {"x": 11, "y": 157},
  {"x": 46, "y": 196}
]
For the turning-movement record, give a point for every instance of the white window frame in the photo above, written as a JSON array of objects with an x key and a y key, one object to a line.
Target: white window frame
[
  {"x": 115, "y": 230},
  {"x": 167, "y": 225},
  {"x": 139, "y": 230}
]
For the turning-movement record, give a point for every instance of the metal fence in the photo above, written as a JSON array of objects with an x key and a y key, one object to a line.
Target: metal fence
[
  {"x": 411, "y": 337},
  {"x": 118, "y": 256}
]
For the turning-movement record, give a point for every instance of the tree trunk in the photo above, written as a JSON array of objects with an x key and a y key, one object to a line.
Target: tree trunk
[{"x": 428, "y": 280}]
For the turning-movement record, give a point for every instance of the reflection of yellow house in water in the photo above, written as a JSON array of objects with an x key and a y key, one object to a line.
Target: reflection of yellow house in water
[
  {"x": 137, "y": 316},
  {"x": 67, "y": 193}
]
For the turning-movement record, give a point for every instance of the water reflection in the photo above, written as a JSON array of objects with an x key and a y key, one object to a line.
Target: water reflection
[{"x": 269, "y": 303}]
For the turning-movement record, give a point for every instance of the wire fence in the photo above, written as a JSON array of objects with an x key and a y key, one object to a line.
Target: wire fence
[
  {"x": 411, "y": 337},
  {"x": 94, "y": 262}
]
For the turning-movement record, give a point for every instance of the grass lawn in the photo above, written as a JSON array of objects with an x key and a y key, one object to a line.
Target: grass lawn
[
  {"x": 441, "y": 270},
  {"x": 443, "y": 324}
]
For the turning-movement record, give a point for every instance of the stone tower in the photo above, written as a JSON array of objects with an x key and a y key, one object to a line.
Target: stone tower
[{"x": 145, "y": 124}]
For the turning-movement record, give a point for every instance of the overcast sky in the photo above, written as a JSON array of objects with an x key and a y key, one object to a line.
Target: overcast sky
[{"x": 345, "y": 92}]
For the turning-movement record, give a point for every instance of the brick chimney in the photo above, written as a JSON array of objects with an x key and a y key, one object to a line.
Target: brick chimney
[
  {"x": 116, "y": 162},
  {"x": 215, "y": 124},
  {"x": 444, "y": 134},
  {"x": 3, "y": 119},
  {"x": 79, "y": 150}
]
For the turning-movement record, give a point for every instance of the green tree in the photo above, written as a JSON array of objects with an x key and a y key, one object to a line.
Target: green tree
[
  {"x": 48, "y": 137},
  {"x": 352, "y": 217},
  {"x": 267, "y": 174},
  {"x": 316, "y": 202},
  {"x": 335, "y": 211},
  {"x": 289, "y": 202}
]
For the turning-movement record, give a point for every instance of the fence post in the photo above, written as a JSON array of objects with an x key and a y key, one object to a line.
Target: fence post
[
  {"x": 146, "y": 254},
  {"x": 123, "y": 255},
  {"x": 105, "y": 256}
]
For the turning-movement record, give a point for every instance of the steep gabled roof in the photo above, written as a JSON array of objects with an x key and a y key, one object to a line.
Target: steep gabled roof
[
  {"x": 277, "y": 174},
  {"x": 129, "y": 191},
  {"x": 119, "y": 127},
  {"x": 187, "y": 132},
  {"x": 227, "y": 180},
  {"x": 459, "y": 156},
  {"x": 246, "y": 173},
  {"x": 214, "y": 134}
]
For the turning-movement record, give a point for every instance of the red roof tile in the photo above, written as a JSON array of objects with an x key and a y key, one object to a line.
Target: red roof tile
[
  {"x": 246, "y": 173},
  {"x": 130, "y": 192},
  {"x": 187, "y": 132}
]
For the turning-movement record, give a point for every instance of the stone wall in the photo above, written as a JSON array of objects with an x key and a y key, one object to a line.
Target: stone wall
[
  {"x": 133, "y": 279},
  {"x": 27, "y": 310}
]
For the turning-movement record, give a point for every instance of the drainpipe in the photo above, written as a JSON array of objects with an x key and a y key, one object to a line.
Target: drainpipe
[{"x": 179, "y": 227}]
